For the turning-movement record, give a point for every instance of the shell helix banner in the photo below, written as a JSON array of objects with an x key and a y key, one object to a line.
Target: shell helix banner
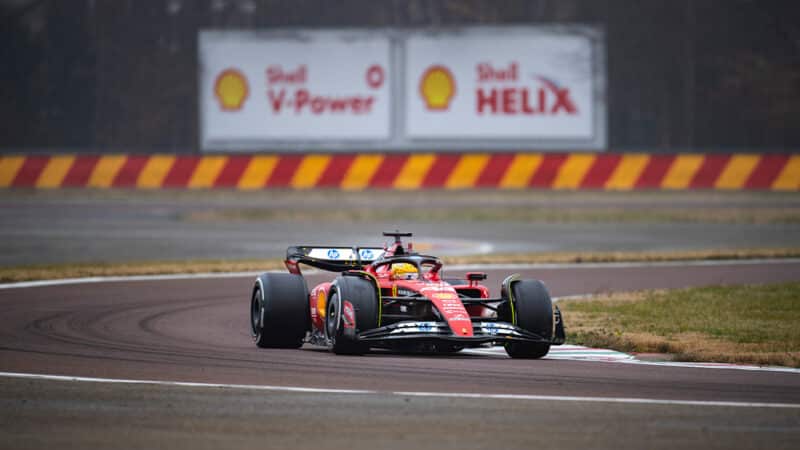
[{"x": 477, "y": 88}]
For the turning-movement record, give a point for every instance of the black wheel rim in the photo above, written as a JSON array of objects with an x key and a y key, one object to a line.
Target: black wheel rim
[
  {"x": 330, "y": 322},
  {"x": 255, "y": 311}
]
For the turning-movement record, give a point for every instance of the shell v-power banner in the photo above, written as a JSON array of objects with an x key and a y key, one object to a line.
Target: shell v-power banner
[{"x": 476, "y": 88}]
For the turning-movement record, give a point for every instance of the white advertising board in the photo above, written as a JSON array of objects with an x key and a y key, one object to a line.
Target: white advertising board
[
  {"x": 473, "y": 88},
  {"x": 525, "y": 84},
  {"x": 306, "y": 86}
]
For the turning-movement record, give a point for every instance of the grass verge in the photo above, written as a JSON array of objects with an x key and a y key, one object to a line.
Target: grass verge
[
  {"x": 612, "y": 257},
  {"x": 755, "y": 324},
  {"x": 78, "y": 270}
]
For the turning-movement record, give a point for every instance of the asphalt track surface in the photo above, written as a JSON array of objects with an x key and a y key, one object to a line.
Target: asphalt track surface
[
  {"x": 196, "y": 330},
  {"x": 68, "y": 227}
]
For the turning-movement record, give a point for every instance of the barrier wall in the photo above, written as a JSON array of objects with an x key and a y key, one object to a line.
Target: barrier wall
[
  {"x": 619, "y": 171},
  {"x": 705, "y": 76}
]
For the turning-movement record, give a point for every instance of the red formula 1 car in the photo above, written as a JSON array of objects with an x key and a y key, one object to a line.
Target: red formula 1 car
[{"x": 395, "y": 298}]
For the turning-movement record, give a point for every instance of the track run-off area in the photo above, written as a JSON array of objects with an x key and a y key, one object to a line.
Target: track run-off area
[{"x": 168, "y": 361}]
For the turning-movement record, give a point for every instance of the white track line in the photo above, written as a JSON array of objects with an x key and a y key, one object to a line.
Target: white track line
[
  {"x": 91, "y": 280},
  {"x": 181, "y": 276},
  {"x": 461, "y": 395},
  {"x": 701, "y": 365},
  {"x": 579, "y": 353}
]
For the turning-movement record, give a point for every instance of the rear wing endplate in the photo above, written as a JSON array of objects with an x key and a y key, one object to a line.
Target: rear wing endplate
[{"x": 332, "y": 259}]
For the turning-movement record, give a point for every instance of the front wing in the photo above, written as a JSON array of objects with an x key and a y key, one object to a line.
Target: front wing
[{"x": 484, "y": 331}]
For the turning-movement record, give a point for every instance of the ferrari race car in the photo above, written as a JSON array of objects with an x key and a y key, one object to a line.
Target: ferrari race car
[{"x": 394, "y": 298}]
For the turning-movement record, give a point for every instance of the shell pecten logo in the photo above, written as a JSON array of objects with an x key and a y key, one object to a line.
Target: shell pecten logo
[
  {"x": 437, "y": 87},
  {"x": 231, "y": 89}
]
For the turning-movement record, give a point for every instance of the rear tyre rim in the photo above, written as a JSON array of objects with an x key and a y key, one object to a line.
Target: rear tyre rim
[
  {"x": 332, "y": 321},
  {"x": 255, "y": 312}
]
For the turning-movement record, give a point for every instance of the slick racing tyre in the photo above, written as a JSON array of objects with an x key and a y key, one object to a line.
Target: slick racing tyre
[
  {"x": 361, "y": 294},
  {"x": 534, "y": 313},
  {"x": 279, "y": 314}
]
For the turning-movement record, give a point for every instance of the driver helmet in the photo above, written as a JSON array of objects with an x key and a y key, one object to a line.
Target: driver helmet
[{"x": 404, "y": 271}]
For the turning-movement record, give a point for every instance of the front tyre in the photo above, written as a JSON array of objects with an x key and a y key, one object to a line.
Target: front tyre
[
  {"x": 361, "y": 294},
  {"x": 533, "y": 309},
  {"x": 279, "y": 311}
]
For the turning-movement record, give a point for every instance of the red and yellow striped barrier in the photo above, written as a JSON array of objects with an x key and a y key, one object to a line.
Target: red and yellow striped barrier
[{"x": 605, "y": 171}]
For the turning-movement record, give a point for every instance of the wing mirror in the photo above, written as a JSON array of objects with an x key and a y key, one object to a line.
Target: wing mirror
[{"x": 476, "y": 276}]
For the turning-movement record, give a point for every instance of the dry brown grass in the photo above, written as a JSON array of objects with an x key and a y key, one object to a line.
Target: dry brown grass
[
  {"x": 59, "y": 271},
  {"x": 742, "y": 324},
  {"x": 538, "y": 214},
  {"x": 78, "y": 270},
  {"x": 603, "y": 257}
]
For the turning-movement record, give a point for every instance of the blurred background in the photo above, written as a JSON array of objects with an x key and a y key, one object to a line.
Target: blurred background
[
  {"x": 122, "y": 75},
  {"x": 701, "y": 96}
]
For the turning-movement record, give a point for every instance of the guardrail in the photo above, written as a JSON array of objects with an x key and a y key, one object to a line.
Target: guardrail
[{"x": 409, "y": 171}]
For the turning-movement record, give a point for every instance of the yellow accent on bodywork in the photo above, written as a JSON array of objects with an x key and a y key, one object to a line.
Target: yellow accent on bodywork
[{"x": 322, "y": 303}]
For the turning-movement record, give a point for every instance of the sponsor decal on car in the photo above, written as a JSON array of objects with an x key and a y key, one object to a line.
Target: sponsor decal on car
[
  {"x": 348, "y": 315},
  {"x": 345, "y": 254}
]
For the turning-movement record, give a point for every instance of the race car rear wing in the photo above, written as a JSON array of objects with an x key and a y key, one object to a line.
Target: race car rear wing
[{"x": 333, "y": 259}]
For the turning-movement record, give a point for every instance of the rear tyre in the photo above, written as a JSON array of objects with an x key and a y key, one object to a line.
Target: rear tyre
[
  {"x": 534, "y": 312},
  {"x": 279, "y": 311},
  {"x": 361, "y": 294}
]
